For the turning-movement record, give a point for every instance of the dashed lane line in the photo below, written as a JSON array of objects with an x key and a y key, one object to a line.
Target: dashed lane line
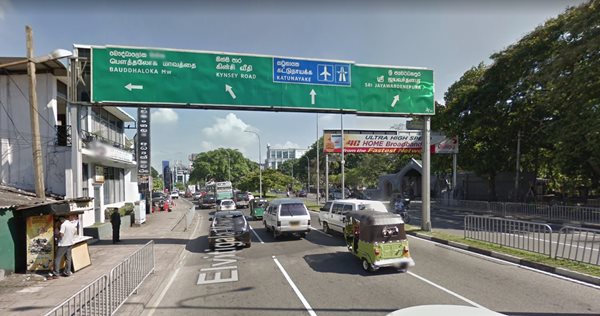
[
  {"x": 295, "y": 288},
  {"x": 255, "y": 234}
]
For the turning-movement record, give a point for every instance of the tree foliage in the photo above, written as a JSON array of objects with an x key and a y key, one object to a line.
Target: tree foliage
[
  {"x": 219, "y": 164},
  {"x": 545, "y": 90}
]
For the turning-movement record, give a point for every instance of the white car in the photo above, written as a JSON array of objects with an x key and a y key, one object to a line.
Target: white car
[
  {"x": 332, "y": 216},
  {"x": 226, "y": 205},
  {"x": 287, "y": 217},
  {"x": 175, "y": 194}
]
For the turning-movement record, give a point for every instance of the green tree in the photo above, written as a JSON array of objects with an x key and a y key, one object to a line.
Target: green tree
[
  {"x": 271, "y": 179},
  {"x": 219, "y": 165}
]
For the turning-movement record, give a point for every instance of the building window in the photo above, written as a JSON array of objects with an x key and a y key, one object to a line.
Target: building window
[
  {"x": 114, "y": 186},
  {"x": 285, "y": 155},
  {"x": 279, "y": 154},
  {"x": 85, "y": 175}
]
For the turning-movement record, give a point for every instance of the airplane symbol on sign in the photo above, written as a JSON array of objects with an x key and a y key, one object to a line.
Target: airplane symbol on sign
[{"x": 325, "y": 74}]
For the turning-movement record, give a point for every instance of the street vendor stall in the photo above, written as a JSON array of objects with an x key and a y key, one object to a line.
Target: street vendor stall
[{"x": 40, "y": 223}]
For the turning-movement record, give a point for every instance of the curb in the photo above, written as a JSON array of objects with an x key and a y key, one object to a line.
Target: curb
[{"x": 516, "y": 260}]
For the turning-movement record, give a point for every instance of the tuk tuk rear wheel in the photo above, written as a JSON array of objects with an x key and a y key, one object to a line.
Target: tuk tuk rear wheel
[{"x": 367, "y": 266}]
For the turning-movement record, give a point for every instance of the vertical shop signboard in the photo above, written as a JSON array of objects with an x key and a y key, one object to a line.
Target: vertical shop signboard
[
  {"x": 143, "y": 141},
  {"x": 40, "y": 242}
]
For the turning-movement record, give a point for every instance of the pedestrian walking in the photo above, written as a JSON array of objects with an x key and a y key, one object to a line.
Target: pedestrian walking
[
  {"x": 115, "y": 220},
  {"x": 66, "y": 237}
]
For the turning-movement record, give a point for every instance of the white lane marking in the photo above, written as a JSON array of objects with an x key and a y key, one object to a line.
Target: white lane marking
[
  {"x": 255, "y": 234},
  {"x": 320, "y": 231},
  {"x": 296, "y": 290},
  {"x": 172, "y": 279},
  {"x": 558, "y": 276},
  {"x": 446, "y": 290}
]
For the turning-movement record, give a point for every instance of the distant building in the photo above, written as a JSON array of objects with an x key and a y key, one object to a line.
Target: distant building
[{"x": 277, "y": 156}]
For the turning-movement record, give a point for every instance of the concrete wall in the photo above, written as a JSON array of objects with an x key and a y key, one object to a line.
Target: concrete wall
[{"x": 16, "y": 158}]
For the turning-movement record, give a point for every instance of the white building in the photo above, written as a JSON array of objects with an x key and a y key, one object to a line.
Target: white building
[
  {"x": 276, "y": 156},
  {"x": 81, "y": 145}
]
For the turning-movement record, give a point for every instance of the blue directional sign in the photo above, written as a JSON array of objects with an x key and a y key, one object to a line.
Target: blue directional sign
[{"x": 287, "y": 70}]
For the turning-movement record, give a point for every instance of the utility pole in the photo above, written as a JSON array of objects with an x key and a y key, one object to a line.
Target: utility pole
[
  {"x": 38, "y": 168},
  {"x": 343, "y": 161},
  {"x": 516, "y": 195},
  {"x": 318, "y": 175}
]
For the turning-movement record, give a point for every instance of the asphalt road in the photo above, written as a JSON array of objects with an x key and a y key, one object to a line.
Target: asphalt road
[{"x": 318, "y": 276}]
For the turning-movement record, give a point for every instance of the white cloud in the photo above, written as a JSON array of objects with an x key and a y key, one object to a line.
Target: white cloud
[
  {"x": 228, "y": 132},
  {"x": 4, "y": 6},
  {"x": 163, "y": 116}
]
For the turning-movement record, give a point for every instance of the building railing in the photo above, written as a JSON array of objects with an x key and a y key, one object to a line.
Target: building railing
[
  {"x": 105, "y": 295},
  {"x": 529, "y": 236},
  {"x": 89, "y": 137},
  {"x": 555, "y": 212},
  {"x": 579, "y": 244}
]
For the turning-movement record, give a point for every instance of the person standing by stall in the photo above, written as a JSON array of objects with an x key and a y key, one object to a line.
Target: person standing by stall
[
  {"x": 115, "y": 220},
  {"x": 66, "y": 236}
]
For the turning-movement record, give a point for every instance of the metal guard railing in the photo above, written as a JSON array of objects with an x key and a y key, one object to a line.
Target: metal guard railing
[
  {"x": 529, "y": 236},
  {"x": 105, "y": 295}
]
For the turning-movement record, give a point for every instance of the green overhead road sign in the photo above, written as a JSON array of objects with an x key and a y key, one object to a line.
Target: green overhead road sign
[{"x": 126, "y": 75}]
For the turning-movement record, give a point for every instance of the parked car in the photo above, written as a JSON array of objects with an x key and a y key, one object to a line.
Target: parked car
[
  {"x": 241, "y": 200},
  {"x": 158, "y": 198},
  {"x": 301, "y": 193},
  {"x": 226, "y": 205},
  {"x": 175, "y": 194},
  {"x": 287, "y": 216},
  {"x": 207, "y": 201},
  {"x": 227, "y": 224},
  {"x": 332, "y": 218}
]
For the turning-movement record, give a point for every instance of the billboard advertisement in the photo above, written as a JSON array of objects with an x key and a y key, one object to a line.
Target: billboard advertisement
[{"x": 385, "y": 142}]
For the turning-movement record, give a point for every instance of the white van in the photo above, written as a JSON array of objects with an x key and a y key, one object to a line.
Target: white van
[
  {"x": 287, "y": 216},
  {"x": 332, "y": 216}
]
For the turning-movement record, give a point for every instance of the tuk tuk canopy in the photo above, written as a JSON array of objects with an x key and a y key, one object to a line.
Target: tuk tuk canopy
[{"x": 378, "y": 226}]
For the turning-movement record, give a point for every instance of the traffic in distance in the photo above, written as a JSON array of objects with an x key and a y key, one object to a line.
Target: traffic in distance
[{"x": 373, "y": 234}]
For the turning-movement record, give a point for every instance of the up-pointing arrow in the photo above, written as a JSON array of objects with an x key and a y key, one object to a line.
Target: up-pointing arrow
[
  {"x": 130, "y": 87},
  {"x": 396, "y": 99},
  {"x": 312, "y": 96},
  {"x": 229, "y": 89}
]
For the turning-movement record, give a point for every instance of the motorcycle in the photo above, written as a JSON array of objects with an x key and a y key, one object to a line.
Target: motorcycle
[{"x": 401, "y": 208}]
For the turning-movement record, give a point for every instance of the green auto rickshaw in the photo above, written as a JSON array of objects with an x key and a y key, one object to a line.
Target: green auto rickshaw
[
  {"x": 378, "y": 239},
  {"x": 257, "y": 208}
]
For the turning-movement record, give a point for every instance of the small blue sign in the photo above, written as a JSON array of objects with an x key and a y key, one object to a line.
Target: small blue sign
[{"x": 286, "y": 70}]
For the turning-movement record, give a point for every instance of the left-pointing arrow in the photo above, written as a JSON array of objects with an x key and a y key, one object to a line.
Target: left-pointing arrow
[
  {"x": 130, "y": 87},
  {"x": 229, "y": 89}
]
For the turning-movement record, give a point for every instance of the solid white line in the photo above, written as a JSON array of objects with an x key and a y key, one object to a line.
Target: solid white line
[
  {"x": 558, "y": 276},
  {"x": 296, "y": 290},
  {"x": 255, "y": 234},
  {"x": 172, "y": 279},
  {"x": 446, "y": 290}
]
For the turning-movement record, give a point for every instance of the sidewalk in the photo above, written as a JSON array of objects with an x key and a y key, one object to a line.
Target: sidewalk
[{"x": 33, "y": 295}]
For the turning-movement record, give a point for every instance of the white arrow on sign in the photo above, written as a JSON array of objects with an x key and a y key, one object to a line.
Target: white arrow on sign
[
  {"x": 230, "y": 90},
  {"x": 312, "y": 96},
  {"x": 396, "y": 99},
  {"x": 130, "y": 87}
]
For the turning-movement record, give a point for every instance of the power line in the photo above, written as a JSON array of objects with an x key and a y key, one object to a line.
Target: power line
[
  {"x": 27, "y": 98},
  {"x": 13, "y": 122}
]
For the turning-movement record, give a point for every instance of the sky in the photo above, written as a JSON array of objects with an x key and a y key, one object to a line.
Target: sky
[{"x": 447, "y": 36}]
